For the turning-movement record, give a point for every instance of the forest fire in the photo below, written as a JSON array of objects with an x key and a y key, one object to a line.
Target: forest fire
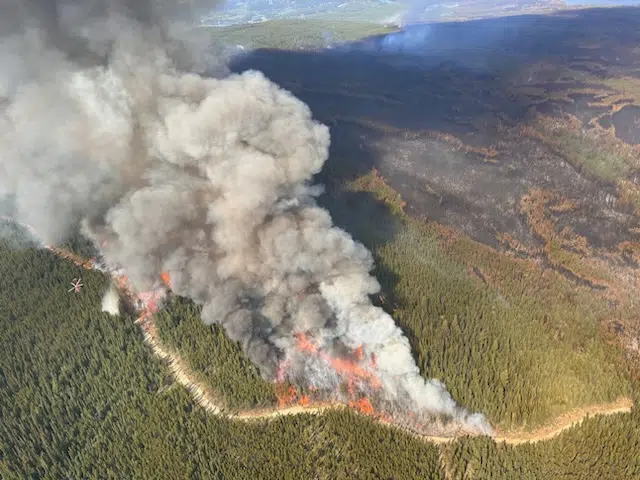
[
  {"x": 364, "y": 405},
  {"x": 147, "y": 303},
  {"x": 356, "y": 373},
  {"x": 304, "y": 343},
  {"x": 166, "y": 279},
  {"x": 288, "y": 395},
  {"x": 355, "y": 383},
  {"x": 350, "y": 369}
]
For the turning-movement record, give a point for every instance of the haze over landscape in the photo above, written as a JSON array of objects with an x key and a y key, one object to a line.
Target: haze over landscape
[{"x": 363, "y": 240}]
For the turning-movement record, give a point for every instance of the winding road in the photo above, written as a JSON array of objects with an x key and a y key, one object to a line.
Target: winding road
[{"x": 183, "y": 375}]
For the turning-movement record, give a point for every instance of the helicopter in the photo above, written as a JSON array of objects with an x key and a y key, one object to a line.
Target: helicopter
[{"x": 76, "y": 285}]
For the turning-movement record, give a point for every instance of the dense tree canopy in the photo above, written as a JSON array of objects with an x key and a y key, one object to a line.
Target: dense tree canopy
[
  {"x": 81, "y": 396},
  {"x": 521, "y": 343}
]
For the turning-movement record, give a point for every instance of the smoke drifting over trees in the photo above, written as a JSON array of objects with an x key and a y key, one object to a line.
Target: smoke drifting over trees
[
  {"x": 111, "y": 301},
  {"x": 107, "y": 120}
]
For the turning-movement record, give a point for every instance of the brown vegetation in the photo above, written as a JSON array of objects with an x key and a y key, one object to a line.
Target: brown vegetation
[
  {"x": 458, "y": 145},
  {"x": 443, "y": 282}
]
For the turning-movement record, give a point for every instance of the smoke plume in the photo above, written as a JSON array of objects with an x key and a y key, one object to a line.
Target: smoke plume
[
  {"x": 111, "y": 301},
  {"x": 106, "y": 120}
]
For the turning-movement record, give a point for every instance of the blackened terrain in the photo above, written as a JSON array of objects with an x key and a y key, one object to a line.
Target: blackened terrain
[{"x": 510, "y": 95}]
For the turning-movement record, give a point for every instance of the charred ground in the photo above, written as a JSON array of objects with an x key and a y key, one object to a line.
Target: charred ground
[
  {"x": 511, "y": 143},
  {"x": 464, "y": 119},
  {"x": 522, "y": 331}
]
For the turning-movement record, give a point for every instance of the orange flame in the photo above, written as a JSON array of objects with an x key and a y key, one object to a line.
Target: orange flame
[
  {"x": 285, "y": 397},
  {"x": 288, "y": 395},
  {"x": 166, "y": 279},
  {"x": 348, "y": 368},
  {"x": 364, "y": 406},
  {"x": 305, "y": 344},
  {"x": 351, "y": 369}
]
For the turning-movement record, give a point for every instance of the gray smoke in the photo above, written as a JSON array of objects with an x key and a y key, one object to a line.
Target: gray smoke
[{"x": 106, "y": 120}]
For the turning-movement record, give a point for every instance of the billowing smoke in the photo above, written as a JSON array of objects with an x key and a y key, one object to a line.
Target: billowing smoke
[
  {"x": 106, "y": 120},
  {"x": 111, "y": 301}
]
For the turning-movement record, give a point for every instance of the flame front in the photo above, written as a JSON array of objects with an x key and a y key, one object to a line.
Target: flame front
[
  {"x": 356, "y": 372},
  {"x": 304, "y": 344},
  {"x": 350, "y": 369},
  {"x": 364, "y": 405},
  {"x": 166, "y": 279},
  {"x": 355, "y": 369}
]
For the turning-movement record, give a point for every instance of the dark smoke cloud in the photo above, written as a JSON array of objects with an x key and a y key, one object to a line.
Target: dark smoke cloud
[{"x": 106, "y": 120}]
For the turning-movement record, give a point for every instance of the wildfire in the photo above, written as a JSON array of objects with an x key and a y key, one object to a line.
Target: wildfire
[
  {"x": 166, "y": 279},
  {"x": 286, "y": 396},
  {"x": 348, "y": 368},
  {"x": 147, "y": 303},
  {"x": 364, "y": 405},
  {"x": 353, "y": 369},
  {"x": 304, "y": 344}
]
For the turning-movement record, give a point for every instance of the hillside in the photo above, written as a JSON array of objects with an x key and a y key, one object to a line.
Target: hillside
[
  {"x": 493, "y": 169},
  {"x": 87, "y": 398},
  {"x": 514, "y": 142},
  {"x": 295, "y": 34},
  {"x": 82, "y": 396},
  {"x": 502, "y": 214},
  {"x": 523, "y": 348}
]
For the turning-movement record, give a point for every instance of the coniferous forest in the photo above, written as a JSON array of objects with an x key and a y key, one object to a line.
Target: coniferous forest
[
  {"x": 217, "y": 361},
  {"x": 81, "y": 396},
  {"x": 520, "y": 343},
  {"x": 522, "y": 352},
  {"x": 524, "y": 134},
  {"x": 600, "y": 448}
]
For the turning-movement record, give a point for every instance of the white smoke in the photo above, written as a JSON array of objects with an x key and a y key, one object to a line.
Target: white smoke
[
  {"x": 205, "y": 178},
  {"x": 111, "y": 301}
]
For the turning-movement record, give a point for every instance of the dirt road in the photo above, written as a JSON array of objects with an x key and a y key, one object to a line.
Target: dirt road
[
  {"x": 565, "y": 421},
  {"x": 184, "y": 377},
  {"x": 203, "y": 397}
]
